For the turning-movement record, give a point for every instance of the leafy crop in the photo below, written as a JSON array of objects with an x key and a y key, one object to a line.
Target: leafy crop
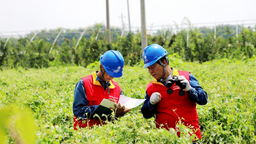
[{"x": 44, "y": 98}]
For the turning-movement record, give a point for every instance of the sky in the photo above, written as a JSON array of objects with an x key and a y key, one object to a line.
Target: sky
[{"x": 31, "y": 15}]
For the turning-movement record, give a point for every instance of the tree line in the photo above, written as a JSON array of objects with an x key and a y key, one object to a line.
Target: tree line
[{"x": 193, "y": 44}]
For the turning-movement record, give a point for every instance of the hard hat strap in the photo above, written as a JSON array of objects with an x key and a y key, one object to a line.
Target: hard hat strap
[
  {"x": 167, "y": 62},
  {"x": 107, "y": 84}
]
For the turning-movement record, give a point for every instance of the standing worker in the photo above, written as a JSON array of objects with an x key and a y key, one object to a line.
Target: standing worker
[
  {"x": 92, "y": 89},
  {"x": 173, "y": 94}
]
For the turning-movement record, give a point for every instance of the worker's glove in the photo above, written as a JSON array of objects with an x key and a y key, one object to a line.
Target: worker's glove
[
  {"x": 155, "y": 98},
  {"x": 183, "y": 80}
]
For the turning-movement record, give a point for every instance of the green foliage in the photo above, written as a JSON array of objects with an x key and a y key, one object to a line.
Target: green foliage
[
  {"x": 94, "y": 65},
  {"x": 191, "y": 44},
  {"x": 66, "y": 53},
  {"x": 229, "y": 116},
  {"x": 129, "y": 129},
  {"x": 18, "y": 124},
  {"x": 129, "y": 48}
]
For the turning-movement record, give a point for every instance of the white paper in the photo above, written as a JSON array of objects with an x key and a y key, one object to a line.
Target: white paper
[{"x": 129, "y": 102}]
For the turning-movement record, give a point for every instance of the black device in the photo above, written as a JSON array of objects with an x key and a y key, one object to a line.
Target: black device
[{"x": 170, "y": 80}]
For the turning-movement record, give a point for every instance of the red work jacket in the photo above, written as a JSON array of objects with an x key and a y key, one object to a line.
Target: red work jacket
[
  {"x": 95, "y": 93},
  {"x": 174, "y": 108}
]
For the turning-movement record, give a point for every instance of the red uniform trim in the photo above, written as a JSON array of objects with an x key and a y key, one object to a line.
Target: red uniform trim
[
  {"x": 95, "y": 93},
  {"x": 174, "y": 108}
]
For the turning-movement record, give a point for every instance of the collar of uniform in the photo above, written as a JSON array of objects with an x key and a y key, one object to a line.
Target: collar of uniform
[
  {"x": 175, "y": 72},
  {"x": 96, "y": 81}
]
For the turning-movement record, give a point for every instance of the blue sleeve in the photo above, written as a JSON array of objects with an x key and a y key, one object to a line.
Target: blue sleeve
[
  {"x": 197, "y": 93},
  {"x": 148, "y": 110},
  {"x": 80, "y": 108}
]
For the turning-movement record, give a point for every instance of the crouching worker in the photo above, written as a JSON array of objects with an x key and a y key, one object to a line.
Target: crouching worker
[
  {"x": 92, "y": 89},
  {"x": 173, "y": 94}
]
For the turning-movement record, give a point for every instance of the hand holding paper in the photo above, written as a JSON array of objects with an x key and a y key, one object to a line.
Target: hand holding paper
[
  {"x": 119, "y": 109},
  {"x": 124, "y": 105}
]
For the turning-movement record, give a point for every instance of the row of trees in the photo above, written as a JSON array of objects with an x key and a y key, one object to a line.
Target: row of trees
[{"x": 192, "y": 44}]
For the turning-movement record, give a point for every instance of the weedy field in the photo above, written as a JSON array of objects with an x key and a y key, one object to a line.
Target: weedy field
[{"x": 36, "y": 105}]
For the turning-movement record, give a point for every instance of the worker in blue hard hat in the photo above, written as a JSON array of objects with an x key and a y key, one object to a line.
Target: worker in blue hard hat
[
  {"x": 92, "y": 89},
  {"x": 172, "y": 95}
]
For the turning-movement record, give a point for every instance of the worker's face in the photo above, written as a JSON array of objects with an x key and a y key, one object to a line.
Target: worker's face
[
  {"x": 156, "y": 71},
  {"x": 107, "y": 77}
]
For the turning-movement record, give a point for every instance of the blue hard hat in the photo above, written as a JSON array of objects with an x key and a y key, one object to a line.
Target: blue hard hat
[
  {"x": 113, "y": 63},
  {"x": 152, "y": 54}
]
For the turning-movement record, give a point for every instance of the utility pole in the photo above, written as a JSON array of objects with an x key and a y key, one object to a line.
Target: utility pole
[
  {"x": 215, "y": 33},
  {"x": 143, "y": 26},
  {"x": 108, "y": 25},
  {"x": 123, "y": 26},
  {"x": 236, "y": 32},
  {"x": 187, "y": 37},
  {"x": 128, "y": 8}
]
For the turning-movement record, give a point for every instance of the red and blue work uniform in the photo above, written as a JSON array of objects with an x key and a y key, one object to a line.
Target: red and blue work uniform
[
  {"x": 176, "y": 106},
  {"x": 89, "y": 93}
]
